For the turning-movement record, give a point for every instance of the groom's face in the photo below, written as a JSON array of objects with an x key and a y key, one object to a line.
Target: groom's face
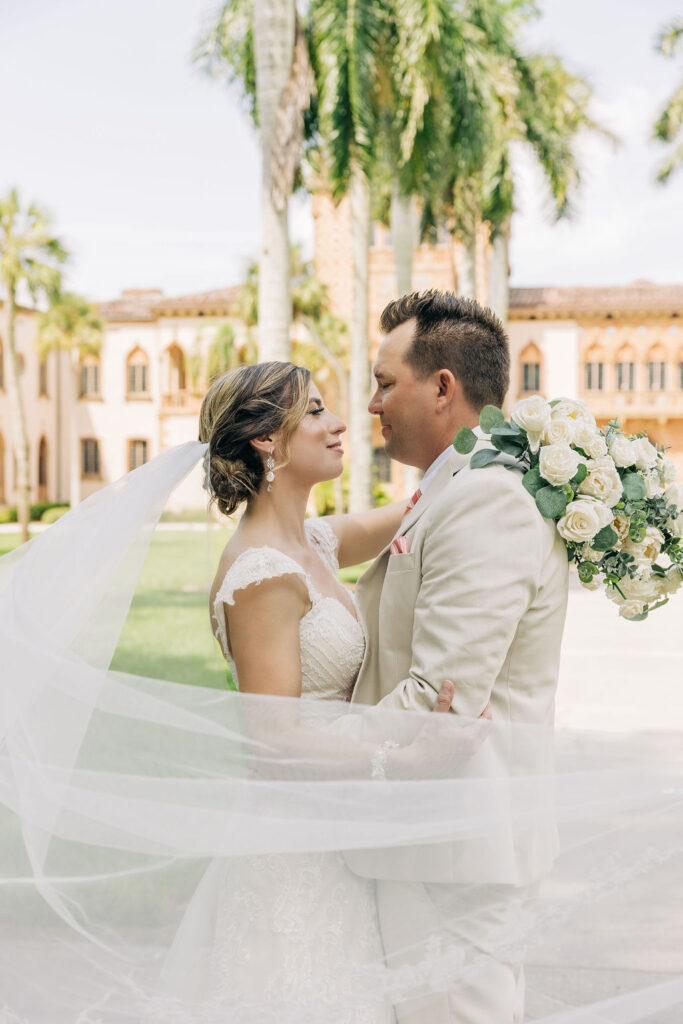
[{"x": 404, "y": 403}]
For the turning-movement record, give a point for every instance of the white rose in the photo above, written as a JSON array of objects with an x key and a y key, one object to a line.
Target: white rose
[
  {"x": 622, "y": 451},
  {"x": 647, "y": 549},
  {"x": 622, "y": 525},
  {"x": 674, "y": 495},
  {"x": 667, "y": 471},
  {"x": 652, "y": 483},
  {"x": 675, "y": 526},
  {"x": 590, "y": 554},
  {"x": 602, "y": 482},
  {"x": 578, "y": 411},
  {"x": 631, "y": 609},
  {"x": 590, "y": 440},
  {"x": 671, "y": 582},
  {"x": 637, "y": 589},
  {"x": 533, "y": 415},
  {"x": 560, "y": 429},
  {"x": 581, "y": 521},
  {"x": 645, "y": 452},
  {"x": 558, "y": 463}
]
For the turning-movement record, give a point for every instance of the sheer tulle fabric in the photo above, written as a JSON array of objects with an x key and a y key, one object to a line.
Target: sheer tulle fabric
[{"x": 139, "y": 817}]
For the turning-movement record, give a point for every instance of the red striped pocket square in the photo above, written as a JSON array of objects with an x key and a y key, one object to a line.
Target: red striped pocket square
[{"x": 400, "y": 546}]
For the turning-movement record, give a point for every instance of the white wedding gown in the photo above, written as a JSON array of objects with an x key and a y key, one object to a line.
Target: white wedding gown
[{"x": 292, "y": 930}]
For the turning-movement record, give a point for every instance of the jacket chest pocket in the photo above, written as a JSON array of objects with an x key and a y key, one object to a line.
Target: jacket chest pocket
[{"x": 399, "y": 593}]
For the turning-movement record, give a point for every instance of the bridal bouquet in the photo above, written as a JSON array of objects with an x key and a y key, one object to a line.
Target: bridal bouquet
[{"x": 614, "y": 497}]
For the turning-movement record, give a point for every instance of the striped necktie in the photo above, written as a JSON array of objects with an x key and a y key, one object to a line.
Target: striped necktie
[
  {"x": 401, "y": 545},
  {"x": 413, "y": 502}
]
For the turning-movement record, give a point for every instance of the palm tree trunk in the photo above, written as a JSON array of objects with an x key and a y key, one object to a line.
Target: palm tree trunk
[
  {"x": 74, "y": 440},
  {"x": 360, "y": 426},
  {"x": 499, "y": 273},
  {"x": 274, "y": 23},
  {"x": 467, "y": 277},
  {"x": 18, "y": 413},
  {"x": 404, "y": 236}
]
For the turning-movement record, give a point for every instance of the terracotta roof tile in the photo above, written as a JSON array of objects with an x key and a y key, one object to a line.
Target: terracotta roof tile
[
  {"x": 637, "y": 296},
  {"x": 148, "y": 304}
]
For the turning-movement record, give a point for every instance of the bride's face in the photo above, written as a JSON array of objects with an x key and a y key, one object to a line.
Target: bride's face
[{"x": 315, "y": 445}]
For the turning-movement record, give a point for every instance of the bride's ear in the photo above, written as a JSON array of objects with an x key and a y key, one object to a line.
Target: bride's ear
[{"x": 264, "y": 445}]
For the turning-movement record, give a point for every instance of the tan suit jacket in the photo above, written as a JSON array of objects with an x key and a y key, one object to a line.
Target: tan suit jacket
[{"x": 480, "y": 598}]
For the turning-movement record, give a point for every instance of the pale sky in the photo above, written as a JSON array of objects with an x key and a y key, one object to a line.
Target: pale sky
[{"x": 151, "y": 170}]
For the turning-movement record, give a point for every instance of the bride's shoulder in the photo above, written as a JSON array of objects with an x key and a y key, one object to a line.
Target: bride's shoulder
[{"x": 245, "y": 565}]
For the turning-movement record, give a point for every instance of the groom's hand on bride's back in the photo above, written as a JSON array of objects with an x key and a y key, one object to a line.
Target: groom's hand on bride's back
[{"x": 445, "y": 696}]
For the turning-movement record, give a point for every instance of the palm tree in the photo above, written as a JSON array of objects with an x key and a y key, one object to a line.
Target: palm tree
[
  {"x": 351, "y": 43},
  {"x": 669, "y": 124},
  {"x": 70, "y": 325},
  {"x": 445, "y": 80},
  {"x": 260, "y": 46},
  {"x": 30, "y": 258}
]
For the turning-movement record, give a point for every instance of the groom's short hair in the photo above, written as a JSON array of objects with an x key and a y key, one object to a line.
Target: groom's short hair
[{"x": 458, "y": 335}]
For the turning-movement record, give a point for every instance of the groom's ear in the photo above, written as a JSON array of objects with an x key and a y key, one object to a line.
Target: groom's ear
[{"x": 448, "y": 388}]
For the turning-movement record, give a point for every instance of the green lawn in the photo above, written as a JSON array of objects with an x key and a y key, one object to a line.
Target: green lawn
[{"x": 167, "y": 634}]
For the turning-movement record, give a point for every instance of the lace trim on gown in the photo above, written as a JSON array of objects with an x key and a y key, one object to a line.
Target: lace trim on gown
[{"x": 257, "y": 564}]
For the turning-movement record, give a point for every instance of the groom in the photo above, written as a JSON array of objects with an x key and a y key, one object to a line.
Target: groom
[{"x": 472, "y": 589}]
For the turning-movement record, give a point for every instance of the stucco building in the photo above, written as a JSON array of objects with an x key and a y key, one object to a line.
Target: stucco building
[{"x": 90, "y": 421}]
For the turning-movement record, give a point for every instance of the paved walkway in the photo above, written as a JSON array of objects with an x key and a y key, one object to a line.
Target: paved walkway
[{"x": 619, "y": 675}]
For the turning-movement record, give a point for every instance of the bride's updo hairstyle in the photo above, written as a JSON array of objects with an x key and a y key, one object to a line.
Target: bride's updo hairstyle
[{"x": 247, "y": 403}]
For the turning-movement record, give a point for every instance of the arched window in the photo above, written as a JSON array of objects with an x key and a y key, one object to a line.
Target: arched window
[
  {"x": 90, "y": 376},
  {"x": 625, "y": 366},
  {"x": 656, "y": 368},
  {"x": 174, "y": 369},
  {"x": 531, "y": 363},
  {"x": 42, "y": 378},
  {"x": 594, "y": 370},
  {"x": 137, "y": 373},
  {"x": 2, "y": 470},
  {"x": 42, "y": 470}
]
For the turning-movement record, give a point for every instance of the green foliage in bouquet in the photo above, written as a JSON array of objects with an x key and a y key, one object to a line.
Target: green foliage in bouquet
[{"x": 613, "y": 497}]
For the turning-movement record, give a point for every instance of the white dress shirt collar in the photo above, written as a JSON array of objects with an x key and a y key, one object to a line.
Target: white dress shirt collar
[{"x": 438, "y": 463}]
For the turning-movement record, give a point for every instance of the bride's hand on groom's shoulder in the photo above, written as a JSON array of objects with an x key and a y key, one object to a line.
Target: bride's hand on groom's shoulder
[{"x": 445, "y": 696}]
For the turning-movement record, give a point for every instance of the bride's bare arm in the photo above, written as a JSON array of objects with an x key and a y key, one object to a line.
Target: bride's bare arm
[
  {"x": 363, "y": 535},
  {"x": 264, "y": 635}
]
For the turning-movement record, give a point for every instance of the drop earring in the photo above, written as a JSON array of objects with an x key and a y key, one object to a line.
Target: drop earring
[{"x": 270, "y": 466}]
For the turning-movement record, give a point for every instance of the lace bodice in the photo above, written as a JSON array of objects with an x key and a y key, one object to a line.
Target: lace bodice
[{"x": 331, "y": 639}]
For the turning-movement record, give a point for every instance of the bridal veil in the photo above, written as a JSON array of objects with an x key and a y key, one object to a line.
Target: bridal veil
[{"x": 124, "y": 798}]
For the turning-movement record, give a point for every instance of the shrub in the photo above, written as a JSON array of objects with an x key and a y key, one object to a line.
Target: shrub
[
  {"x": 52, "y": 514},
  {"x": 8, "y": 514}
]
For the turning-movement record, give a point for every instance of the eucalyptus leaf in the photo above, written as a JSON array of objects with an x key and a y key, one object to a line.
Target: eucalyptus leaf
[
  {"x": 509, "y": 430},
  {"x": 484, "y": 457},
  {"x": 634, "y": 486},
  {"x": 465, "y": 441},
  {"x": 605, "y": 539},
  {"x": 579, "y": 476},
  {"x": 491, "y": 416},
  {"x": 551, "y": 502},
  {"x": 507, "y": 444},
  {"x": 533, "y": 481}
]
